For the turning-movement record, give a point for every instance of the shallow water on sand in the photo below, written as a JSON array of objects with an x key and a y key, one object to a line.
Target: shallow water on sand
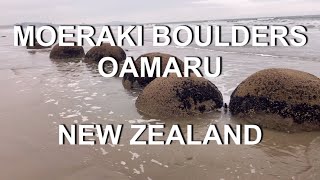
[{"x": 38, "y": 94}]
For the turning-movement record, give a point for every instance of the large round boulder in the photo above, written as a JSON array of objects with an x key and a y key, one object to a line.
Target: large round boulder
[
  {"x": 96, "y": 53},
  {"x": 129, "y": 81},
  {"x": 37, "y": 46},
  {"x": 179, "y": 97},
  {"x": 277, "y": 98},
  {"x": 66, "y": 52}
]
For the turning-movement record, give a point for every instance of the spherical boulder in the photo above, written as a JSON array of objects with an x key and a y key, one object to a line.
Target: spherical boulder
[
  {"x": 66, "y": 52},
  {"x": 129, "y": 81},
  {"x": 179, "y": 97},
  {"x": 37, "y": 46},
  {"x": 96, "y": 53},
  {"x": 278, "y": 98}
]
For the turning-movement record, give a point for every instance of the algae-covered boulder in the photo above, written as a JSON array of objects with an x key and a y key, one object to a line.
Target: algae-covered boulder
[
  {"x": 179, "y": 97},
  {"x": 279, "y": 98},
  {"x": 96, "y": 53},
  {"x": 129, "y": 81},
  {"x": 66, "y": 52}
]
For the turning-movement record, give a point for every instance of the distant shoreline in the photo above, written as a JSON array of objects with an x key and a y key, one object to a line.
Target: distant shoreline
[{"x": 115, "y": 23}]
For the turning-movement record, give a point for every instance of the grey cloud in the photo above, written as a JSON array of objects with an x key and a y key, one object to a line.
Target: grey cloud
[{"x": 100, "y": 11}]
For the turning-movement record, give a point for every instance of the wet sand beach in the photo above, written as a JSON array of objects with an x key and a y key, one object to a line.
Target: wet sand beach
[{"x": 38, "y": 94}]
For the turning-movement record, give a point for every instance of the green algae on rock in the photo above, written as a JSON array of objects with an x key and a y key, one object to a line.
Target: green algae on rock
[
  {"x": 66, "y": 52},
  {"x": 278, "y": 98},
  {"x": 179, "y": 97},
  {"x": 96, "y": 53},
  {"x": 129, "y": 81}
]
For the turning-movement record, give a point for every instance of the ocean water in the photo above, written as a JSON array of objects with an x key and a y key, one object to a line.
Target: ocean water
[{"x": 38, "y": 94}]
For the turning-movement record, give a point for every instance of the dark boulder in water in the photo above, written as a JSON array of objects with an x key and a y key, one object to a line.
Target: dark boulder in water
[
  {"x": 37, "y": 46},
  {"x": 96, "y": 53},
  {"x": 129, "y": 81},
  {"x": 277, "y": 98},
  {"x": 179, "y": 97},
  {"x": 66, "y": 52}
]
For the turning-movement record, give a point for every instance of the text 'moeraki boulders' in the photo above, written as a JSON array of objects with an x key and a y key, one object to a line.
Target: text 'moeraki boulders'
[
  {"x": 283, "y": 99},
  {"x": 129, "y": 81},
  {"x": 179, "y": 97},
  {"x": 96, "y": 53},
  {"x": 66, "y": 52}
]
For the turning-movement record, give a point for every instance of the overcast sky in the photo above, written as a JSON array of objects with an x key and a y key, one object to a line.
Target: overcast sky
[{"x": 102, "y": 11}]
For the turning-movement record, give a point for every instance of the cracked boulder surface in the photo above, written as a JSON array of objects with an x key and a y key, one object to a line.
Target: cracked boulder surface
[
  {"x": 66, "y": 52},
  {"x": 129, "y": 81},
  {"x": 179, "y": 97},
  {"x": 277, "y": 98},
  {"x": 96, "y": 53}
]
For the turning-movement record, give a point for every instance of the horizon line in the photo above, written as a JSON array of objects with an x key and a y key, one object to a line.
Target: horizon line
[{"x": 169, "y": 22}]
